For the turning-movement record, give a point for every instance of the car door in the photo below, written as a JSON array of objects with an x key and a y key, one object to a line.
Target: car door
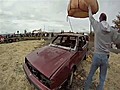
[{"x": 82, "y": 48}]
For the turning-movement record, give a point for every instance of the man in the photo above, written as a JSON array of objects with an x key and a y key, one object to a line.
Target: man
[{"x": 104, "y": 36}]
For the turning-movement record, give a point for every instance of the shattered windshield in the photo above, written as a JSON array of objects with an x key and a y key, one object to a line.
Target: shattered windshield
[{"x": 65, "y": 41}]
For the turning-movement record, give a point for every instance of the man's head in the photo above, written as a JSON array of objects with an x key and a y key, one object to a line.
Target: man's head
[{"x": 103, "y": 17}]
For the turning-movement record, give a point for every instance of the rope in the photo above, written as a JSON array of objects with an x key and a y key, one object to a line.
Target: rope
[
  {"x": 90, "y": 27},
  {"x": 68, "y": 20}
]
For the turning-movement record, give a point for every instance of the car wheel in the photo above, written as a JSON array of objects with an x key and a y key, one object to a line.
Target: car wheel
[
  {"x": 10, "y": 40},
  {"x": 70, "y": 80},
  {"x": 84, "y": 57}
]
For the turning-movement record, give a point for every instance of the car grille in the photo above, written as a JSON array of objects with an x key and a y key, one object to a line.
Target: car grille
[{"x": 43, "y": 79}]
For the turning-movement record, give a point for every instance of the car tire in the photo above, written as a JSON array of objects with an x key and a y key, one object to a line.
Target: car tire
[
  {"x": 10, "y": 40},
  {"x": 70, "y": 80},
  {"x": 85, "y": 57}
]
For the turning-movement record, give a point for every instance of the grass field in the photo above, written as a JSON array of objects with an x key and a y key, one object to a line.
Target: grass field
[{"x": 12, "y": 76}]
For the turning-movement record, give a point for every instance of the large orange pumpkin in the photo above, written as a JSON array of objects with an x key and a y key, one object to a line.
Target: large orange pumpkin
[{"x": 79, "y": 8}]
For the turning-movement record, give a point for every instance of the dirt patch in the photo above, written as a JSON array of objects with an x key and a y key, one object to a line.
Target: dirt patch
[{"x": 12, "y": 76}]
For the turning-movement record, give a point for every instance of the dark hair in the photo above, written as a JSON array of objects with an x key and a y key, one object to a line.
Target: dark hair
[{"x": 103, "y": 17}]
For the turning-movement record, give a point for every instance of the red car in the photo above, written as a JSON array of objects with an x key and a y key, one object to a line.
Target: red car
[
  {"x": 2, "y": 38},
  {"x": 48, "y": 68}
]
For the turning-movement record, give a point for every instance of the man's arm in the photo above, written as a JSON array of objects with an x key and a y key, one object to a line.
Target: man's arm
[
  {"x": 116, "y": 37},
  {"x": 90, "y": 14},
  {"x": 91, "y": 18},
  {"x": 117, "y": 40},
  {"x": 117, "y": 51}
]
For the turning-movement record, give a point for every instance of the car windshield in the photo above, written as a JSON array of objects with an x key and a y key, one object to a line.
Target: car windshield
[{"x": 65, "y": 41}]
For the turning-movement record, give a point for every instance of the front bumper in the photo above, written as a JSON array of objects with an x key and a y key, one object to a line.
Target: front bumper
[{"x": 33, "y": 80}]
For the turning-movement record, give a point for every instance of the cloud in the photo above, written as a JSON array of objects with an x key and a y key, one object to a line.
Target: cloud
[{"x": 49, "y": 14}]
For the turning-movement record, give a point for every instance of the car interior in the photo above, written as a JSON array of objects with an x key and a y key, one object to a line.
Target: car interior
[
  {"x": 70, "y": 41},
  {"x": 67, "y": 41}
]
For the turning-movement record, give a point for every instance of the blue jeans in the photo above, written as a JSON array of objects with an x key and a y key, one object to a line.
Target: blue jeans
[{"x": 99, "y": 61}]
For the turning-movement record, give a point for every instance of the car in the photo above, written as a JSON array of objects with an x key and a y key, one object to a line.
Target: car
[
  {"x": 12, "y": 38},
  {"x": 49, "y": 67},
  {"x": 2, "y": 38}
]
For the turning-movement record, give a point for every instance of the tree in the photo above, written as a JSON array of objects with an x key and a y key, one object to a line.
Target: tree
[{"x": 117, "y": 22}]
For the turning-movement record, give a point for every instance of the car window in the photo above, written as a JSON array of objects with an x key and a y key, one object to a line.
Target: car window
[
  {"x": 57, "y": 40},
  {"x": 66, "y": 41}
]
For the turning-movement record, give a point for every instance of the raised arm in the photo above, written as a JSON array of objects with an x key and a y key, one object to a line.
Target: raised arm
[
  {"x": 93, "y": 22},
  {"x": 91, "y": 18}
]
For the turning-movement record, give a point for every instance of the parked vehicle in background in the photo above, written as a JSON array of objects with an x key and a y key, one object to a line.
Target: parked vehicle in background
[
  {"x": 12, "y": 38},
  {"x": 2, "y": 38},
  {"x": 49, "y": 67}
]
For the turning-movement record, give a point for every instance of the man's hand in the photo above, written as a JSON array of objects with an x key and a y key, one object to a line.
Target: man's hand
[
  {"x": 89, "y": 8},
  {"x": 90, "y": 12}
]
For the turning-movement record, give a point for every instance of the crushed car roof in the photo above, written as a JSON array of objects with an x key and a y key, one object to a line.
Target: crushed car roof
[{"x": 71, "y": 34}]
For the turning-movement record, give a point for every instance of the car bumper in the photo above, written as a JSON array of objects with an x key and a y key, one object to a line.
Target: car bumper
[{"x": 33, "y": 80}]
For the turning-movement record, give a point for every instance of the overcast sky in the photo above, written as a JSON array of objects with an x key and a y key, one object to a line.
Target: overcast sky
[{"x": 49, "y": 15}]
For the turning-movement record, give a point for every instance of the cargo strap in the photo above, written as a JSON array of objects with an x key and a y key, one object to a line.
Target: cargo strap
[{"x": 68, "y": 20}]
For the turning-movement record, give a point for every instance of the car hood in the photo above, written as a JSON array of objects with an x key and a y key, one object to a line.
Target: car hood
[{"x": 48, "y": 59}]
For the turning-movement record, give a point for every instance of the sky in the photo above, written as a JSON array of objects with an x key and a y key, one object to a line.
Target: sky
[{"x": 48, "y": 15}]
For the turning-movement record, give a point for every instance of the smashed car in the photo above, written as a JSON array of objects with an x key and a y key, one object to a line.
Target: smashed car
[{"x": 49, "y": 67}]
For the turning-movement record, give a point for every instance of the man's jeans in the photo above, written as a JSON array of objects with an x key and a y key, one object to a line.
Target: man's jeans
[{"x": 99, "y": 61}]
